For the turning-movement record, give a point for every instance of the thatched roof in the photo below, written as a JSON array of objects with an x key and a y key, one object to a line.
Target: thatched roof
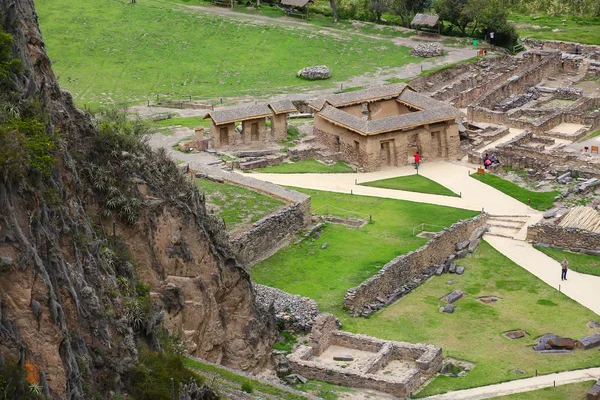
[
  {"x": 430, "y": 111},
  {"x": 282, "y": 106},
  {"x": 425, "y": 19},
  {"x": 221, "y": 117},
  {"x": 295, "y": 3},
  {"x": 359, "y": 96}
]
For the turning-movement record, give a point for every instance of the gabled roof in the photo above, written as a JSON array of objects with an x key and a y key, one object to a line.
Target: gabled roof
[
  {"x": 295, "y": 3},
  {"x": 282, "y": 106},
  {"x": 419, "y": 101},
  {"x": 425, "y": 19},
  {"x": 359, "y": 96}
]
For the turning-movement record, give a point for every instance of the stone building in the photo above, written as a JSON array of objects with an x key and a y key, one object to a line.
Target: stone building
[
  {"x": 385, "y": 126},
  {"x": 253, "y": 119}
]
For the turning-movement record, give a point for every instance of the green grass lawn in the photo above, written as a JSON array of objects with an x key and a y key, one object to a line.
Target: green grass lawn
[
  {"x": 575, "y": 29},
  {"x": 573, "y": 391},
  {"x": 590, "y": 136},
  {"x": 237, "y": 205},
  {"x": 353, "y": 254},
  {"x": 539, "y": 200},
  {"x": 473, "y": 331},
  {"x": 110, "y": 51},
  {"x": 412, "y": 183},
  {"x": 188, "y": 122},
  {"x": 584, "y": 263},
  {"x": 310, "y": 166}
]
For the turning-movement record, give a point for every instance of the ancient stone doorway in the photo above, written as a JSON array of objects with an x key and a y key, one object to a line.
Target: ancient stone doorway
[
  {"x": 436, "y": 144},
  {"x": 337, "y": 144},
  {"x": 224, "y": 136},
  {"x": 385, "y": 154},
  {"x": 254, "y": 132}
]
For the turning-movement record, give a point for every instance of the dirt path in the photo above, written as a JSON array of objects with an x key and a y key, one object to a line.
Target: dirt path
[{"x": 521, "y": 385}]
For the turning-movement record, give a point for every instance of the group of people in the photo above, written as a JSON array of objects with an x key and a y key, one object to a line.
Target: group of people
[{"x": 488, "y": 161}]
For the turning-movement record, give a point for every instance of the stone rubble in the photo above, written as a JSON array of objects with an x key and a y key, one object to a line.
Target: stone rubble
[
  {"x": 297, "y": 313},
  {"x": 518, "y": 100},
  {"x": 315, "y": 72},
  {"x": 428, "y": 50}
]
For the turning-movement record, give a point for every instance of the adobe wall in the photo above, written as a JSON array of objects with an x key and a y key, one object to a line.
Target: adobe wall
[
  {"x": 263, "y": 132},
  {"x": 567, "y": 238},
  {"x": 395, "y": 273},
  {"x": 272, "y": 232},
  {"x": 326, "y": 132},
  {"x": 215, "y": 134},
  {"x": 279, "y": 126}
]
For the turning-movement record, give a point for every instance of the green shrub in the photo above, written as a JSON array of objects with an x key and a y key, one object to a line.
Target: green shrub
[
  {"x": 8, "y": 64},
  {"x": 247, "y": 387},
  {"x": 13, "y": 383}
]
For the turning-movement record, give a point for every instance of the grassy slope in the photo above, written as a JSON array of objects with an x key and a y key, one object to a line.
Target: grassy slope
[
  {"x": 307, "y": 167},
  {"x": 237, "y": 205},
  {"x": 412, "y": 183},
  {"x": 113, "y": 50},
  {"x": 188, "y": 122},
  {"x": 353, "y": 254},
  {"x": 573, "y": 391},
  {"x": 583, "y": 263},
  {"x": 576, "y": 29},
  {"x": 473, "y": 332},
  {"x": 539, "y": 200}
]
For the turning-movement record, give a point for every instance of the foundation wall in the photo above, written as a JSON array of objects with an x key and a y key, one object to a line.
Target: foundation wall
[
  {"x": 402, "y": 268},
  {"x": 568, "y": 238}
]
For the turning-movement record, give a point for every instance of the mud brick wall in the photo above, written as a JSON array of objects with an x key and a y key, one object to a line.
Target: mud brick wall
[
  {"x": 567, "y": 238},
  {"x": 402, "y": 268}
]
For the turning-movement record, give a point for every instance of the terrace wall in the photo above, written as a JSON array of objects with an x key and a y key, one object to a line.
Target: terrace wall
[
  {"x": 567, "y": 238},
  {"x": 403, "y": 268}
]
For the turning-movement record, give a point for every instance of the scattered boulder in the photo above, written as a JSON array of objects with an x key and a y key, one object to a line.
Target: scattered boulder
[
  {"x": 451, "y": 282},
  {"x": 589, "y": 342},
  {"x": 302, "y": 379},
  {"x": 462, "y": 245},
  {"x": 452, "y": 268},
  {"x": 561, "y": 343},
  {"x": 568, "y": 93},
  {"x": 463, "y": 253},
  {"x": 449, "y": 260},
  {"x": 428, "y": 50},
  {"x": 551, "y": 213},
  {"x": 448, "y": 308},
  {"x": 454, "y": 296},
  {"x": 477, "y": 233},
  {"x": 593, "y": 325},
  {"x": 325, "y": 245},
  {"x": 343, "y": 357},
  {"x": 291, "y": 379},
  {"x": 518, "y": 334},
  {"x": 282, "y": 364},
  {"x": 440, "y": 270},
  {"x": 594, "y": 392},
  {"x": 562, "y": 179},
  {"x": 488, "y": 299},
  {"x": 473, "y": 245},
  {"x": 460, "y": 270},
  {"x": 517, "y": 371},
  {"x": 315, "y": 72}
]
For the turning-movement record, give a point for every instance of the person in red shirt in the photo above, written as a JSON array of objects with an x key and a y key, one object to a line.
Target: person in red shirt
[{"x": 417, "y": 159}]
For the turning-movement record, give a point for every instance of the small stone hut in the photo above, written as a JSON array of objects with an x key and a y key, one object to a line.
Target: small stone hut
[
  {"x": 253, "y": 124},
  {"x": 386, "y": 125}
]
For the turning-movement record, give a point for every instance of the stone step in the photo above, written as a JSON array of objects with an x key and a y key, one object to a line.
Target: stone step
[
  {"x": 506, "y": 224},
  {"x": 499, "y": 235}
]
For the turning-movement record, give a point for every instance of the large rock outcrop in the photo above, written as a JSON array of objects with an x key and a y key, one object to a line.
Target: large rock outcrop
[{"x": 71, "y": 293}]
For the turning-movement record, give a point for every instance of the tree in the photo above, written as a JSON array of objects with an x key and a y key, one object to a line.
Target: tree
[
  {"x": 378, "y": 7},
  {"x": 455, "y": 13},
  {"x": 334, "y": 10},
  {"x": 405, "y": 9}
]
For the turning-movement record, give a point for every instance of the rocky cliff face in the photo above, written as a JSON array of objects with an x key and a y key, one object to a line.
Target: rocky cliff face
[{"x": 77, "y": 247}]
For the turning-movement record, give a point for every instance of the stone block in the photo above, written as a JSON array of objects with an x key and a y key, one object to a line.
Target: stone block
[
  {"x": 473, "y": 245},
  {"x": 454, "y": 296},
  {"x": 477, "y": 234},
  {"x": 589, "y": 342},
  {"x": 440, "y": 270},
  {"x": 343, "y": 357},
  {"x": 594, "y": 392},
  {"x": 593, "y": 325},
  {"x": 550, "y": 213},
  {"x": 245, "y": 166},
  {"x": 562, "y": 343},
  {"x": 462, "y": 245},
  {"x": 460, "y": 270},
  {"x": 255, "y": 153},
  {"x": 463, "y": 253},
  {"x": 450, "y": 258},
  {"x": 452, "y": 268},
  {"x": 448, "y": 308}
]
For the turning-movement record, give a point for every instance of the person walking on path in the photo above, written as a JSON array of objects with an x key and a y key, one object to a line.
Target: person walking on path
[
  {"x": 565, "y": 267},
  {"x": 417, "y": 157}
]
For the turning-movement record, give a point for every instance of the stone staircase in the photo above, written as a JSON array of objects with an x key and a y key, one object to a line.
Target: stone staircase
[{"x": 506, "y": 225}]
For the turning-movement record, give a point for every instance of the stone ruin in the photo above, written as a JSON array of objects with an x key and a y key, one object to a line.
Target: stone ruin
[
  {"x": 427, "y": 50},
  {"x": 362, "y": 361},
  {"x": 315, "y": 72}
]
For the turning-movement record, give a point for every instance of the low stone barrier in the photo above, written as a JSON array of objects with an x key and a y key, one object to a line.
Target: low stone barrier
[
  {"x": 423, "y": 261},
  {"x": 566, "y": 238}
]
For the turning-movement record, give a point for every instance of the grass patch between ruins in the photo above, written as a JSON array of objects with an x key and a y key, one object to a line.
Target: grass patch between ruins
[
  {"x": 187, "y": 122},
  {"x": 584, "y": 263},
  {"x": 412, "y": 183},
  {"x": 237, "y": 205},
  {"x": 575, "y": 29},
  {"x": 474, "y": 331},
  {"x": 228, "y": 378},
  {"x": 352, "y": 255},
  {"x": 590, "y": 136},
  {"x": 572, "y": 391},
  {"x": 110, "y": 51},
  {"x": 539, "y": 200},
  {"x": 310, "y": 166}
]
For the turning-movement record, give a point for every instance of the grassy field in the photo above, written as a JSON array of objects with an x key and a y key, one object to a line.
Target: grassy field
[
  {"x": 575, "y": 29},
  {"x": 188, "y": 122},
  {"x": 114, "y": 51},
  {"x": 584, "y": 263},
  {"x": 310, "y": 166},
  {"x": 539, "y": 200},
  {"x": 590, "y": 136},
  {"x": 352, "y": 255},
  {"x": 473, "y": 331},
  {"x": 237, "y": 205},
  {"x": 573, "y": 391},
  {"x": 412, "y": 183}
]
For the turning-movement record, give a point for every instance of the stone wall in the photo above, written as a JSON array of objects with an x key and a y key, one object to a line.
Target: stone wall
[
  {"x": 427, "y": 360},
  {"x": 567, "y": 238},
  {"x": 272, "y": 232},
  {"x": 567, "y": 47},
  {"x": 395, "y": 273}
]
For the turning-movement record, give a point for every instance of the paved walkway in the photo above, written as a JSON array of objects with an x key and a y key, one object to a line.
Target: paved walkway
[
  {"x": 475, "y": 196},
  {"x": 521, "y": 385}
]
